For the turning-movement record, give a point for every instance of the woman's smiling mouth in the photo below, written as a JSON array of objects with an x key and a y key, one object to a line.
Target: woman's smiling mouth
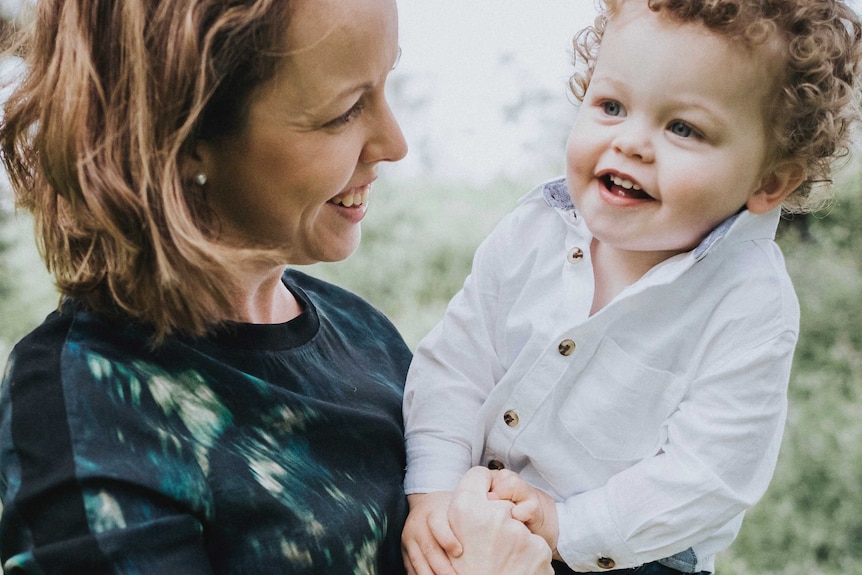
[{"x": 353, "y": 198}]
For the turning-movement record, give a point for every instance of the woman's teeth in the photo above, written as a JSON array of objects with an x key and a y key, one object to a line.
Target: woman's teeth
[
  {"x": 623, "y": 183},
  {"x": 352, "y": 199}
]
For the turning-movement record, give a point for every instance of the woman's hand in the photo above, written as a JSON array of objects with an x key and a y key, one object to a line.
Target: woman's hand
[
  {"x": 533, "y": 507},
  {"x": 427, "y": 541},
  {"x": 492, "y": 541}
]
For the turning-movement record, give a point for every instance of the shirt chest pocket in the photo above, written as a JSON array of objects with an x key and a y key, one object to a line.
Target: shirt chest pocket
[{"x": 617, "y": 408}]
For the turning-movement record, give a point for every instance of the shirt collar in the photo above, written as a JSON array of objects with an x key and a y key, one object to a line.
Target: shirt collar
[
  {"x": 742, "y": 226},
  {"x": 557, "y": 196}
]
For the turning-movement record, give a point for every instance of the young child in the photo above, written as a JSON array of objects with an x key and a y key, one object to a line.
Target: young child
[{"x": 625, "y": 338}]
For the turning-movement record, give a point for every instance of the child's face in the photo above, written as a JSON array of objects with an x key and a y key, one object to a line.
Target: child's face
[{"x": 671, "y": 138}]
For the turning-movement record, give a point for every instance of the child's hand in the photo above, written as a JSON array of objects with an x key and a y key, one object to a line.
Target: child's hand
[
  {"x": 427, "y": 540},
  {"x": 535, "y": 508}
]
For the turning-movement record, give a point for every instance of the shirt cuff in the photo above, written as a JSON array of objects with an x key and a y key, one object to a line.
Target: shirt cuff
[
  {"x": 434, "y": 464},
  {"x": 589, "y": 540}
]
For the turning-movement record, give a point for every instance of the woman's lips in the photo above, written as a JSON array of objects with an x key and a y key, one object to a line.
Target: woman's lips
[{"x": 352, "y": 204}]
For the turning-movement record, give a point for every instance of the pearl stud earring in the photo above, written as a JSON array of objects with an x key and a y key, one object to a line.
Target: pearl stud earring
[{"x": 200, "y": 178}]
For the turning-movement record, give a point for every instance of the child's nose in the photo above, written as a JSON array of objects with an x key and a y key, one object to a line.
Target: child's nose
[{"x": 633, "y": 140}]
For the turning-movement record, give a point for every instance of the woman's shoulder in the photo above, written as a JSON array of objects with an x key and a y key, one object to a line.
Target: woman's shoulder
[
  {"x": 40, "y": 361},
  {"x": 37, "y": 355},
  {"x": 33, "y": 369},
  {"x": 47, "y": 336},
  {"x": 46, "y": 376},
  {"x": 69, "y": 353}
]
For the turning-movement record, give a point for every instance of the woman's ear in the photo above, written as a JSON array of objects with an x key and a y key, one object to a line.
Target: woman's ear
[
  {"x": 194, "y": 164},
  {"x": 777, "y": 185}
]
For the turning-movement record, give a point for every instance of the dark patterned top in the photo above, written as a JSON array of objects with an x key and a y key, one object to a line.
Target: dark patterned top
[{"x": 265, "y": 449}]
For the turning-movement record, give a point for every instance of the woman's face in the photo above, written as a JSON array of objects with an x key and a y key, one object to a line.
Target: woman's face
[{"x": 298, "y": 175}]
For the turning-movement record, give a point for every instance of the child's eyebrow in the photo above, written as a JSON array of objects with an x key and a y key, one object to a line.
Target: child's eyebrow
[
  {"x": 611, "y": 80},
  {"x": 713, "y": 115}
]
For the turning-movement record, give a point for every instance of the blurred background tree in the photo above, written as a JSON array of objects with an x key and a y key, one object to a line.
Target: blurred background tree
[{"x": 5, "y": 248}]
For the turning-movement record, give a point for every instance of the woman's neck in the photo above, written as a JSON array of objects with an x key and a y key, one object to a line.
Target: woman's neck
[{"x": 263, "y": 298}]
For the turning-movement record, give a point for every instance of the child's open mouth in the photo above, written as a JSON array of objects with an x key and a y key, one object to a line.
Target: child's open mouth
[{"x": 624, "y": 188}]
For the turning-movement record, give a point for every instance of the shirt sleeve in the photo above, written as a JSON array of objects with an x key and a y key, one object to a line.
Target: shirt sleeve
[
  {"x": 454, "y": 369},
  {"x": 721, "y": 450}
]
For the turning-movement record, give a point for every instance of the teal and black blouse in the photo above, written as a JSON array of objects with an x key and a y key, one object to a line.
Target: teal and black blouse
[{"x": 262, "y": 449}]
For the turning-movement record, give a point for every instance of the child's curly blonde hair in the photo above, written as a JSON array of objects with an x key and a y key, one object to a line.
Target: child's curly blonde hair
[{"x": 817, "y": 99}]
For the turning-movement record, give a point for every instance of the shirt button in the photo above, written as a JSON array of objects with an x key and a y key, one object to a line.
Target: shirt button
[
  {"x": 575, "y": 255},
  {"x": 511, "y": 418},
  {"x": 566, "y": 347},
  {"x": 606, "y": 563},
  {"x": 496, "y": 464}
]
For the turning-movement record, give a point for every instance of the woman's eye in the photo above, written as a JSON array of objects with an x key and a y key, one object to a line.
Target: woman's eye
[
  {"x": 681, "y": 129},
  {"x": 612, "y": 108},
  {"x": 346, "y": 117}
]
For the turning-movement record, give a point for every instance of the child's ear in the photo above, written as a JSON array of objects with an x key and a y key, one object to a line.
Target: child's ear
[{"x": 776, "y": 186}]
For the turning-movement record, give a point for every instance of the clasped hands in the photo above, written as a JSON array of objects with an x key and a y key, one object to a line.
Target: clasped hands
[{"x": 493, "y": 522}]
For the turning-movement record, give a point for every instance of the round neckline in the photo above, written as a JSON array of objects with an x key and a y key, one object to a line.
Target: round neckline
[{"x": 271, "y": 336}]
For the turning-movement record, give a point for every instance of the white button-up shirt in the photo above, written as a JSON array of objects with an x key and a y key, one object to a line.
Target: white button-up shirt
[{"x": 653, "y": 423}]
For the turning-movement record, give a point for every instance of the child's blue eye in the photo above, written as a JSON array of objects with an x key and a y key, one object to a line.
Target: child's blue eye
[
  {"x": 681, "y": 129},
  {"x": 612, "y": 108}
]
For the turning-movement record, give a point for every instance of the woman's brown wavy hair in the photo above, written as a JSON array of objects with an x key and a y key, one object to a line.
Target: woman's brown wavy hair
[
  {"x": 817, "y": 101},
  {"x": 114, "y": 97}
]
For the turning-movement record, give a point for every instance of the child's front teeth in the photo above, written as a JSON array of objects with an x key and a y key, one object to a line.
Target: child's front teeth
[{"x": 623, "y": 183}]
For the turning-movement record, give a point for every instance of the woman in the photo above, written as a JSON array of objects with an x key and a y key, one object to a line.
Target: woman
[{"x": 194, "y": 406}]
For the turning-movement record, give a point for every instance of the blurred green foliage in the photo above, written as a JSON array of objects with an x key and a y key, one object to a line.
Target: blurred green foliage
[
  {"x": 418, "y": 243},
  {"x": 5, "y": 251},
  {"x": 810, "y": 520},
  {"x": 27, "y": 292}
]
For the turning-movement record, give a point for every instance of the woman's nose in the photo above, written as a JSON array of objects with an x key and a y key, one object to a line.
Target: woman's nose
[{"x": 386, "y": 143}]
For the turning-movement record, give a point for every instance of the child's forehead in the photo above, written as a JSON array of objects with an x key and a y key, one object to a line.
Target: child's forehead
[
  {"x": 749, "y": 39},
  {"x": 695, "y": 65}
]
